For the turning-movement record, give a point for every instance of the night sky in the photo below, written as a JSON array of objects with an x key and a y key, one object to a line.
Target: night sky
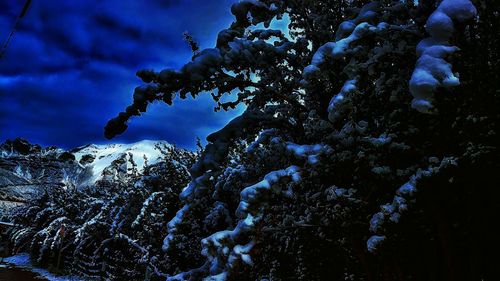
[{"x": 71, "y": 66}]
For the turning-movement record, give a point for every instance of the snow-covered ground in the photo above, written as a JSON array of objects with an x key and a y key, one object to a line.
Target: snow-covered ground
[{"x": 23, "y": 261}]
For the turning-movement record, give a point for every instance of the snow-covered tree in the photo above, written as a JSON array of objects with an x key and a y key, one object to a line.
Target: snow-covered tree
[{"x": 335, "y": 170}]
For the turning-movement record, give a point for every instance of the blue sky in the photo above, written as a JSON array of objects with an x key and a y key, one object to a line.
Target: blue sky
[{"x": 71, "y": 66}]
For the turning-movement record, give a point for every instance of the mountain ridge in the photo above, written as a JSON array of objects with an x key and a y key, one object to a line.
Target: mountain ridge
[{"x": 26, "y": 168}]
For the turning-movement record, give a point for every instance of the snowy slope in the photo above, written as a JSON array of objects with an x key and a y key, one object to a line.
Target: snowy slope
[{"x": 105, "y": 154}]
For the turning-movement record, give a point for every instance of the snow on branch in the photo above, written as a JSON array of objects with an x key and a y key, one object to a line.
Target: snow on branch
[
  {"x": 348, "y": 32},
  {"x": 221, "y": 248},
  {"x": 432, "y": 70},
  {"x": 391, "y": 213}
]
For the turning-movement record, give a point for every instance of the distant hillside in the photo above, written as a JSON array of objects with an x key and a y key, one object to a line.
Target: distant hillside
[{"x": 27, "y": 169}]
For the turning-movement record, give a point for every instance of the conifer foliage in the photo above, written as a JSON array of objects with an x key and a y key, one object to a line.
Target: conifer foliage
[{"x": 364, "y": 153}]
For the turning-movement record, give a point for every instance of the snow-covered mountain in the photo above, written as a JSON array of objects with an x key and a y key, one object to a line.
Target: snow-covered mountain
[
  {"x": 101, "y": 157},
  {"x": 27, "y": 168}
]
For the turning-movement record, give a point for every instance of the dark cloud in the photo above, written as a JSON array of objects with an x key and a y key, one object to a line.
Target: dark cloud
[{"x": 71, "y": 67}]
